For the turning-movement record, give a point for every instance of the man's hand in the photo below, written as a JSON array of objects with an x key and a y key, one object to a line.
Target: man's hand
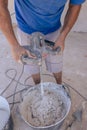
[
  {"x": 18, "y": 51},
  {"x": 60, "y": 42}
]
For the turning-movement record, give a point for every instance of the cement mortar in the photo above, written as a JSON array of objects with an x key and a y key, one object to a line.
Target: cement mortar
[{"x": 43, "y": 111}]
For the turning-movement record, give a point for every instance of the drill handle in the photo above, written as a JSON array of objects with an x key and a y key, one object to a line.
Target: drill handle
[
  {"x": 51, "y": 44},
  {"x": 29, "y": 60}
]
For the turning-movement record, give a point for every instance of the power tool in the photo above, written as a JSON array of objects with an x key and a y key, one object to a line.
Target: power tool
[{"x": 39, "y": 46}]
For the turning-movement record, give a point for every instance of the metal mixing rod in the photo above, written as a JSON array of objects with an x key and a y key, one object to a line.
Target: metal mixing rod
[{"x": 38, "y": 45}]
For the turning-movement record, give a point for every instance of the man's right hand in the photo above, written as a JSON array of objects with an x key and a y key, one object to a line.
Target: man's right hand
[{"x": 18, "y": 51}]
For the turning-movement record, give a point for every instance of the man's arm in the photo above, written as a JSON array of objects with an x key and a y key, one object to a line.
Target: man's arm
[
  {"x": 7, "y": 29},
  {"x": 5, "y": 23},
  {"x": 69, "y": 21}
]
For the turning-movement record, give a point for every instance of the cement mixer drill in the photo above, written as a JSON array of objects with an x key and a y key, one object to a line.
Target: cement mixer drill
[{"x": 38, "y": 46}]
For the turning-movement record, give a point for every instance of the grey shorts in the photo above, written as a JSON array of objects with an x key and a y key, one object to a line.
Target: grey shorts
[{"x": 54, "y": 63}]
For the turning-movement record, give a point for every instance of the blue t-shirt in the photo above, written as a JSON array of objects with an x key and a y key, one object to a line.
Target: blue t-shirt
[{"x": 40, "y": 15}]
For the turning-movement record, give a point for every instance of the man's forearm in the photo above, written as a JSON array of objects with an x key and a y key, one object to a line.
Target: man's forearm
[
  {"x": 6, "y": 25},
  {"x": 70, "y": 19}
]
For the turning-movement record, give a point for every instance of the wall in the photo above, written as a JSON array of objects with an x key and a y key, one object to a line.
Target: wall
[{"x": 81, "y": 24}]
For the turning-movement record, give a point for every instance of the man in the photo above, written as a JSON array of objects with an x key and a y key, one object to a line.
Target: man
[{"x": 39, "y": 16}]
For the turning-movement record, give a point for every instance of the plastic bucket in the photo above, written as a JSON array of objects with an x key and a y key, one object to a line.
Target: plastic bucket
[
  {"x": 65, "y": 98},
  {"x": 4, "y": 112}
]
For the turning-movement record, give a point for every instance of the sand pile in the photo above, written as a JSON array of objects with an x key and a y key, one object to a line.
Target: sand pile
[{"x": 43, "y": 111}]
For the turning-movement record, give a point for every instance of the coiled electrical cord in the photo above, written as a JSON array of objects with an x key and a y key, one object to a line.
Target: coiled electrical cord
[
  {"x": 27, "y": 86},
  {"x": 16, "y": 85}
]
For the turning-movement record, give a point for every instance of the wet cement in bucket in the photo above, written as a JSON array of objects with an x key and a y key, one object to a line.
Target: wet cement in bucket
[{"x": 43, "y": 111}]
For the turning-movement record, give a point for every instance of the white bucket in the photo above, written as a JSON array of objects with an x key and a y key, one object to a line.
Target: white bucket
[{"x": 4, "y": 112}]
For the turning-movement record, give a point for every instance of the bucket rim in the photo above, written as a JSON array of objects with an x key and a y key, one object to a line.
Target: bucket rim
[{"x": 57, "y": 123}]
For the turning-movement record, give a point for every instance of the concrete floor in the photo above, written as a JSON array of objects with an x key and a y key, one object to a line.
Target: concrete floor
[{"x": 74, "y": 70}]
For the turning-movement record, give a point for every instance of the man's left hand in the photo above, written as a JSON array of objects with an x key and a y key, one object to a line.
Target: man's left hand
[{"x": 59, "y": 42}]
